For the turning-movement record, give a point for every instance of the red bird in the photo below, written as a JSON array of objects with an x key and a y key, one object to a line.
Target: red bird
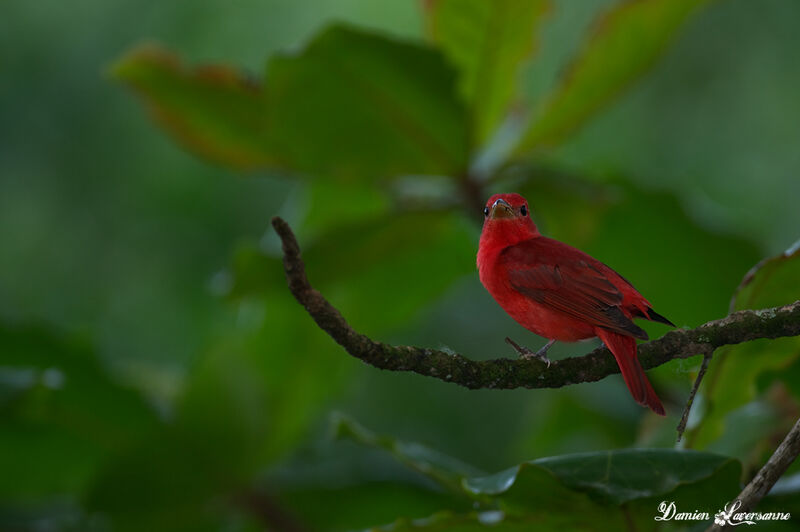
[{"x": 560, "y": 292}]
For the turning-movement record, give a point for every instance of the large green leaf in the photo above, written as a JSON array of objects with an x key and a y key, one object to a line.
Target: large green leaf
[
  {"x": 624, "y": 43},
  {"x": 208, "y": 454},
  {"x": 499, "y": 521},
  {"x": 167, "y": 483},
  {"x": 444, "y": 470},
  {"x": 612, "y": 490},
  {"x": 249, "y": 400},
  {"x": 608, "y": 477},
  {"x": 734, "y": 380},
  {"x": 214, "y": 111},
  {"x": 619, "y": 476},
  {"x": 360, "y": 506},
  {"x": 357, "y": 104},
  {"x": 351, "y": 104},
  {"x": 408, "y": 258},
  {"x": 736, "y": 375},
  {"x": 487, "y": 41},
  {"x": 602, "y": 489},
  {"x": 773, "y": 282},
  {"x": 62, "y": 413},
  {"x": 537, "y": 489}
]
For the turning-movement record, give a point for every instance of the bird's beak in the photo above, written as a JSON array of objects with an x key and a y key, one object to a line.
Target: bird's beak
[{"x": 501, "y": 209}]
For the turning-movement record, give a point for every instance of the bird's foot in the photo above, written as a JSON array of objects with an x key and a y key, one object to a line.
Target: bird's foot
[{"x": 526, "y": 353}]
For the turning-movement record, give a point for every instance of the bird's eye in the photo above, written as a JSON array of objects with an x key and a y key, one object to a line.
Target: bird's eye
[
  {"x": 486, "y": 211},
  {"x": 523, "y": 210}
]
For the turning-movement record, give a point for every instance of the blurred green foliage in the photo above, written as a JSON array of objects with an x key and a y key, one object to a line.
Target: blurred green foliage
[
  {"x": 598, "y": 490},
  {"x": 155, "y": 374}
]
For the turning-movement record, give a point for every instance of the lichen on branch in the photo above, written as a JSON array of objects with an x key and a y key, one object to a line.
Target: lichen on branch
[{"x": 503, "y": 373}]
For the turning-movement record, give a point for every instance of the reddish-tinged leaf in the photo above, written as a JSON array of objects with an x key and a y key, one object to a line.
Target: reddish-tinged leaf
[{"x": 214, "y": 111}]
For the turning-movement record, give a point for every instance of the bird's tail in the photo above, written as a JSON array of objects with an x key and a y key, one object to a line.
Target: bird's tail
[{"x": 624, "y": 350}]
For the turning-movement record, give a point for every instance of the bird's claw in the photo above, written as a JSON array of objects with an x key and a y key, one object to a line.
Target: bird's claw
[{"x": 527, "y": 354}]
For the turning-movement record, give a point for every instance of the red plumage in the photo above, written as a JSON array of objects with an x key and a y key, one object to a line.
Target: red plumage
[{"x": 560, "y": 292}]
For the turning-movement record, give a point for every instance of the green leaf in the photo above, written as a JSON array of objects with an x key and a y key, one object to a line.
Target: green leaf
[
  {"x": 570, "y": 490},
  {"x": 738, "y": 374},
  {"x": 408, "y": 258},
  {"x": 249, "y": 400},
  {"x": 594, "y": 491},
  {"x": 164, "y": 484},
  {"x": 609, "y": 477},
  {"x": 773, "y": 282},
  {"x": 499, "y": 521},
  {"x": 625, "y": 42},
  {"x": 624, "y": 475},
  {"x": 213, "y": 111},
  {"x": 586, "y": 488},
  {"x": 330, "y": 203},
  {"x": 538, "y": 492},
  {"x": 357, "y": 104},
  {"x": 444, "y": 470},
  {"x": 351, "y": 104},
  {"x": 487, "y": 41},
  {"x": 358, "y": 507},
  {"x": 352, "y": 251},
  {"x": 732, "y": 381},
  {"x": 53, "y": 393}
]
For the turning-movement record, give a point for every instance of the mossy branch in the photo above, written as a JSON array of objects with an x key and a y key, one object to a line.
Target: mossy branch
[{"x": 503, "y": 373}]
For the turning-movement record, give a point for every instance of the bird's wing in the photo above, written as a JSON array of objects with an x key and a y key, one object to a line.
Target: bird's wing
[{"x": 564, "y": 279}]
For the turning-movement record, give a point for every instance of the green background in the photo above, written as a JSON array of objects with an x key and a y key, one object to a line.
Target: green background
[{"x": 154, "y": 370}]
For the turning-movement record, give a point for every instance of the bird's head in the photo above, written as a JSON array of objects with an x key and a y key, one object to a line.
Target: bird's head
[{"x": 507, "y": 218}]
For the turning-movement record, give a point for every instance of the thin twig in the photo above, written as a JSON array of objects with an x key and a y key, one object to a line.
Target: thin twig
[
  {"x": 690, "y": 401},
  {"x": 766, "y": 477},
  {"x": 503, "y": 373}
]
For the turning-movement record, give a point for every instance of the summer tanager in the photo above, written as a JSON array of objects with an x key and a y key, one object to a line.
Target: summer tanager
[{"x": 560, "y": 292}]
